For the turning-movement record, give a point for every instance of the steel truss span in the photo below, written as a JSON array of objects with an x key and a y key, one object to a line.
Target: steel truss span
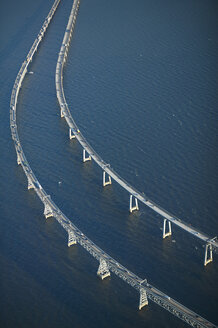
[{"x": 106, "y": 263}]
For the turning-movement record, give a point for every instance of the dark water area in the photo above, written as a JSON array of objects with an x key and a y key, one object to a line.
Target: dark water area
[{"x": 140, "y": 81}]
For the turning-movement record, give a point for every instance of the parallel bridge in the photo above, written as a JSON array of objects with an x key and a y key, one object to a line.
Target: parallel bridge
[
  {"x": 108, "y": 172},
  {"x": 106, "y": 263}
]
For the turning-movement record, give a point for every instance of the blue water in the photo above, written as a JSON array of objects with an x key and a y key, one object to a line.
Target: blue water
[{"x": 140, "y": 81}]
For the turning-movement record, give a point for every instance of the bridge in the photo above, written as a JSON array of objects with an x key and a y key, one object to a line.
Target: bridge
[
  {"x": 106, "y": 263},
  {"x": 108, "y": 173}
]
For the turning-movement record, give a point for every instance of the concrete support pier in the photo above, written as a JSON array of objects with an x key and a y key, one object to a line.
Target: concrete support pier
[
  {"x": 71, "y": 135},
  {"x": 47, "y": 209},
  {"x": 30, "y": 184},
  {"x": 71, "y": 238},
  {"x": 62, "y": 111},
  {"x": 105, "y": 183},
  {"x": 143, "y": 298},
  {"x": 208, "y": 259},
  {"x": 18, "y": 159},
  {"x": 169, "y": 233},
  {"x": 131, "y": 206},
  {"x": 85, "y": 159}
]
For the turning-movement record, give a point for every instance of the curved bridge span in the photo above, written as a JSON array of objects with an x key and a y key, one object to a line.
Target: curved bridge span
[
  {"x": 108, "y": 172},
  {"x": 106, "y": 263}
]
